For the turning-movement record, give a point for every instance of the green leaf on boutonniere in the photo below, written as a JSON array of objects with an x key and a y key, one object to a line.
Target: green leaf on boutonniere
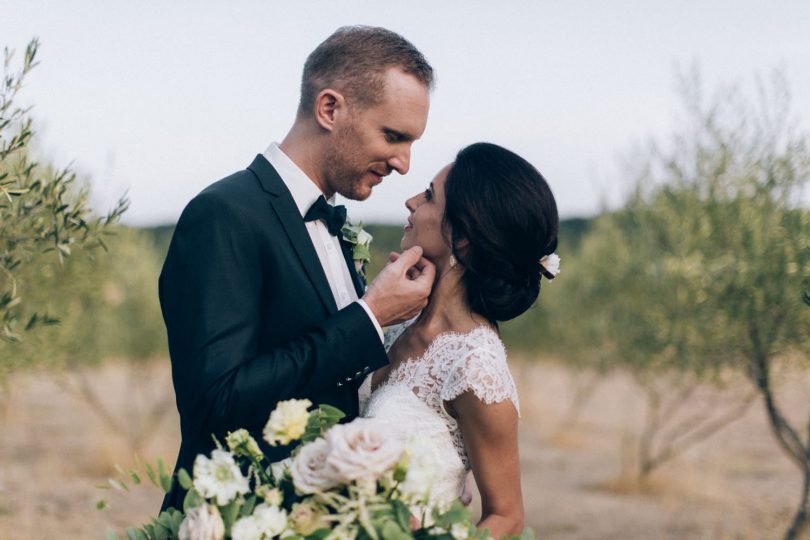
[{"x": 360, "y": 241}]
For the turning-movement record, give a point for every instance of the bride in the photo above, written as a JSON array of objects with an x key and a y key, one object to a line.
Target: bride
[{"x": 489, "y": 223}]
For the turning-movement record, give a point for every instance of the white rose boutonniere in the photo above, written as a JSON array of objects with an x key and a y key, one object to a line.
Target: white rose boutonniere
[{"x": 360, "y": 241}]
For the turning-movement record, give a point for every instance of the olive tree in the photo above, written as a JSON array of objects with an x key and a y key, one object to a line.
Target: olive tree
[
  {"x": 702, "y": 272},
  {"x": 44, "y": 216}
]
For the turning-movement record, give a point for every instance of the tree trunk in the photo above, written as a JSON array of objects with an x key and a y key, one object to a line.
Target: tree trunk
[
  {"x": 800, "y": 519},
  {"x": 787, "y": 437}
]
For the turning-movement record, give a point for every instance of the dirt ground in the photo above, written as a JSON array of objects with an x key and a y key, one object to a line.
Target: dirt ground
[{"x": 55, "y": 449}]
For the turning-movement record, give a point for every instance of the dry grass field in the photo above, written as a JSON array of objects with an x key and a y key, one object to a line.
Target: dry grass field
[{"x": 54, "y": 450}]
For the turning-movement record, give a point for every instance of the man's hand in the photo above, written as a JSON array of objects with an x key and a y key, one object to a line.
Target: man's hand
[{"x": 401, "y": 290}]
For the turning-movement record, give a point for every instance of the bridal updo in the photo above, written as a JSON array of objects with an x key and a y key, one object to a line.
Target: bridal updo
[{"x": 503, "y": 208}]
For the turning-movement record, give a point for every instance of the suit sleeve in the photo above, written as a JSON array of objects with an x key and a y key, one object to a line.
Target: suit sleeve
[{"x": 210, "y": 291}]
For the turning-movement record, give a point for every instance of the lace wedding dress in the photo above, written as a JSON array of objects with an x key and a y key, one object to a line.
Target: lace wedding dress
[{"x": 411, "y": 399}]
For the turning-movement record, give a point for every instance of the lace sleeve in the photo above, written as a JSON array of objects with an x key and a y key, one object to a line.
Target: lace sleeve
[{"x": 483, "y": 371}]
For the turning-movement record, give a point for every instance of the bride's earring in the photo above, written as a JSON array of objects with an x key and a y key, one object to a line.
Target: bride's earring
[{"x": 453, "y": 261}]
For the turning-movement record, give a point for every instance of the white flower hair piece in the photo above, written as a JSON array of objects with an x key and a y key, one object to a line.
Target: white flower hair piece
[{"x": 550, "y": 265}]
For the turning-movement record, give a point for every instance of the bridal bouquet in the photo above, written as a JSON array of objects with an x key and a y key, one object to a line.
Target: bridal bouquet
[{"x": 342, "y": 481}]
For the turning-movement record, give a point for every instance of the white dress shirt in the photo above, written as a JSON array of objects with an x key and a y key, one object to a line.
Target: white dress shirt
[{"x": 304, "y": 192}]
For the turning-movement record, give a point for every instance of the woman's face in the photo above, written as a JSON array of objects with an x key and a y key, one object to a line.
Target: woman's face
[{"x": 424, "y": 226}]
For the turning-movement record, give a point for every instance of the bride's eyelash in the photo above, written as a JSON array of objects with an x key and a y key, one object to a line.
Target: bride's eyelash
[{"x": 428, "y": 194}]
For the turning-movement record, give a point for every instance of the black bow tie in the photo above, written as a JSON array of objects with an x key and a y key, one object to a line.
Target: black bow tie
[{"x": 333, "y": 216}]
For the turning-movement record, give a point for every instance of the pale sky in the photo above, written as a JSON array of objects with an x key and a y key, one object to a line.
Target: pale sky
[{"x": 163, "y": 98}]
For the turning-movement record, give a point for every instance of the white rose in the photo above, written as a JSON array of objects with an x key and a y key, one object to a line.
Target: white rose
[
  {"x": 219, "y": 477},
  {"x": 202, "y": 523},
  {"x": 363, "y": 238},
  {"x": 246, "y": 528},
  {"x": 287, "y": 422},
  {"x": 270, "y": 519},
  {"x": 307, "y": 517},
  {"x": 362, "y": 448},
  {"x": 309, "y": 469}
]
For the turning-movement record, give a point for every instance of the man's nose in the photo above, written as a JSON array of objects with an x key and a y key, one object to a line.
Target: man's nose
[{"x": 401, "y": 162}]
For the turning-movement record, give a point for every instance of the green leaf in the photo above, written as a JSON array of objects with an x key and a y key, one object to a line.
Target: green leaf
[
  {"x": 165, "y": 479},
  {"x": 390, "y": 530},
  {"x": 457, "y": 513},
  {"x": 110, "y": 535},
  {"x": 402, "y": 514},
  {"x": 150, "y": 472},
  {"x": 136, "y": 534},
  {"x": 134, "y": 476},
  {"x": 192, "y": 500},
  {"x": 229, "y": 513},
  {"x": 331, "y": 413},
  {"x": 320, "y": 534},
  {"x": 177, "y": 519},
  {"x": 248, "y": 506},
  {"x": 184, "y": 479},
  {"x": 101, "y": 504}
]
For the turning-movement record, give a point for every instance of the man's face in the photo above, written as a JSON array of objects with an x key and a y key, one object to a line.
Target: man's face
[{"x": 374, "y": 141}]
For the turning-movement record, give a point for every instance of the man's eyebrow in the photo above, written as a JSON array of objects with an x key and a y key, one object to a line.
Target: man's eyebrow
[{"x": 399, "y": 135}]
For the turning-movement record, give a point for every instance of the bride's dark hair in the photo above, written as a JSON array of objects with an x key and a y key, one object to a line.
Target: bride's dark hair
[{"x": 504, "y": 209}]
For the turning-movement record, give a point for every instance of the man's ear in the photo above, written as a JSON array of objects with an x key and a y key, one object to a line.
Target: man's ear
[{"x": 329, "y": 105}]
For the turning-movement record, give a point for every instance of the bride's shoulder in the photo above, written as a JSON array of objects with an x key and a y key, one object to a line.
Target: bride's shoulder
[
  {"x": 482, "y": 338},
  {"x": 479, "y": 365}
]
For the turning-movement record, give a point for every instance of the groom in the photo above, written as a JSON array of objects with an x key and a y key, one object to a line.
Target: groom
[{"x": 258, "y": 291}]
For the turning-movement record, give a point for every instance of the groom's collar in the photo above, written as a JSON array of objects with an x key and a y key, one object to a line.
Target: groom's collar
[{"x": 304, "y": 192}]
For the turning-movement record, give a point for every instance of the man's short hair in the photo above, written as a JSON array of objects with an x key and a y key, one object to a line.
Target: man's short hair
[{"x": 354, "y": 60}]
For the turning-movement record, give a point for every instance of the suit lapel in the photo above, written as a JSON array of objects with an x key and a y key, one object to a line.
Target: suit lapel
[
  {"x": 357, "y": 279},
  {"x": 284, "y": 206}
]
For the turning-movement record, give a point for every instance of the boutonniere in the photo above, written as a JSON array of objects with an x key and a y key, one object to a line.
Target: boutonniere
[{"x": 360, "y": 241}]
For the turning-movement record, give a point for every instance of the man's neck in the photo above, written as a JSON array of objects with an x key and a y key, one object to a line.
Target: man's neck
[{"x": 307, "y": 157}]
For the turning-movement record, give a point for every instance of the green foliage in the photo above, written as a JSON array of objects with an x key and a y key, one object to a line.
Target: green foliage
[
  {"x": 44, "y": 217},
  {"x": 109, "y": 306},
  {"x": 320, "y": 420},
  {"x": 704, "y": 265}
]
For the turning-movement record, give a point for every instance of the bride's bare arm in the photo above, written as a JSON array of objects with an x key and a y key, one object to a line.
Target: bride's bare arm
[{"x": 491, "y": 438}]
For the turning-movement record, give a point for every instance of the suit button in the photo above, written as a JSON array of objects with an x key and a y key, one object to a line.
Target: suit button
[{"x": 340, "y": 384}]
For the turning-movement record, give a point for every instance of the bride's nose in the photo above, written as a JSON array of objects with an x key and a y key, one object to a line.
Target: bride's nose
[{"x": 411, "y": 204}]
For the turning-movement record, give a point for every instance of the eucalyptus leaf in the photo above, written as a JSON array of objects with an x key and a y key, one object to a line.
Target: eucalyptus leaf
[{"x": 184, "y": 479}]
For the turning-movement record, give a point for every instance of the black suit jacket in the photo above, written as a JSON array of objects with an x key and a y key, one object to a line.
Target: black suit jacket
[{"x": 250, "y": 317}]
